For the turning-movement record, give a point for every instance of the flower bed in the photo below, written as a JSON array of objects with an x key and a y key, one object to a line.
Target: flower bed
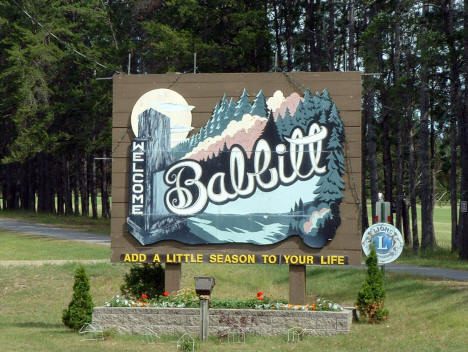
[
  {"x": 178, "y": 314},
  {"x": 187, "y": 298}
]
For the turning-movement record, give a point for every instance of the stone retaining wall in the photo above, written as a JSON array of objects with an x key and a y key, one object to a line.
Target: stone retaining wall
[{"x": 251, "y": 321}]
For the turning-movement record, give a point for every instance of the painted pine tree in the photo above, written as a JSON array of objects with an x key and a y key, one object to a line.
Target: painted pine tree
[
  {"x": 259, "y": 106},
  {"x": 287, "y": 124},
  {"x": 243, "y": 106}
]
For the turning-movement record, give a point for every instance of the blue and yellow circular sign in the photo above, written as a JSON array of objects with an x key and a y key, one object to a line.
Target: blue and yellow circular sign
[{"x": 387, "y": 241}]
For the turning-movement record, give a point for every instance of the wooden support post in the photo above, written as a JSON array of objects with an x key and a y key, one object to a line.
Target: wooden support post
[
  {"x": 172, "y": 277},
  {"x": 297, "y": 284}
]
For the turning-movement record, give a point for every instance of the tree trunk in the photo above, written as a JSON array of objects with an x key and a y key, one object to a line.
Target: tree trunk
[
  {"x": 67, "y": 188},
  {"x": 84, "y": 187},
  {"x": 288, "y": 33},
  {"x": 277, "y": 33},
  {"x": 351, "y": 36},
  {"x": 364, "y": 214},
  {"x": 463, "y": 131},
  {"x": 105, "y": 188},
  {"x": 331, "y": 36},
  {"x": 61, "y": 181},
  {"x": 412, "y": 181},
  {"x": 399, "y": 148},
  {"x": 76, "y": 189},
  {"x": 454, "y": 114},
  {"x": 427, "y": 224},
  {"x": 92, "y": 188}
]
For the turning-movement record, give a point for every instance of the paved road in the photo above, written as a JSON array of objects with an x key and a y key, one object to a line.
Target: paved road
[
  {"x": 60, "y": 233},
  {"x": 68, "y": 234},
  {"x": 439, "y": 273}
]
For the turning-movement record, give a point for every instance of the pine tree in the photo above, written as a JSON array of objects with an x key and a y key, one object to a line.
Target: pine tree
[
  {"x": 330, "y": 185},
  {"x": 242, "y": 107},
  {"x": 288, "y": 124},
  {"x": 370, "y": 300},
  {"x": 80, "y": 309},
  {"x": 259, "y": 106}
]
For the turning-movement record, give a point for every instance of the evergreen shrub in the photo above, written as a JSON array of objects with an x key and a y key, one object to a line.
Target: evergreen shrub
[
  {"x": 143, "y": 279},
  {"x": 80, "y": 308},
  {"x": 370, "y": 300}
]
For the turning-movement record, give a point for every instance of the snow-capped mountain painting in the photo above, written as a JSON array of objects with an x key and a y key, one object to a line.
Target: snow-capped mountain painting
[{"x": 257, "y": 172}]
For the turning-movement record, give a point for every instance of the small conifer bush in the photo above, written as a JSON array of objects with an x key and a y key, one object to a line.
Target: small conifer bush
[
  {"x": 370, "y": 300},
  {"x": 80, "y": 309},
  {"x": 143, "y": 279}
]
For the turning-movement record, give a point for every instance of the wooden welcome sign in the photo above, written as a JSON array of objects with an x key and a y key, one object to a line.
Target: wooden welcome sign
[{"x": 237, "y": 168}]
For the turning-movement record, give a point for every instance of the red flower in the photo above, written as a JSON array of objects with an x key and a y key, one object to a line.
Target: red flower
[
  {"x": 259, "y": 293},
  {"x": 260, "y": 298},
  {"x": 144, "y": 296},
  {"x": 166, "y": 293}
]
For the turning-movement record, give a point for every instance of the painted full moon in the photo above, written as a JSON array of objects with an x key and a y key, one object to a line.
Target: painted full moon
[{"x": 169, "y": 103}]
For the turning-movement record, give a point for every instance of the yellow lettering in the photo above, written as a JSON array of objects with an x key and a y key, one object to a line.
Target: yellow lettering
[
  {"x": 322, "y": 260},
  {"x": 235, "y": 259},
  {"x": 219, "y": 258},
  {"x": 265, "y": 256},
  {"x": 251, "y": 258},
  {"x": 127, "y": 258},
  {"x": 212, "y": 258},
  {"x": 302, "y": 259},
  {"x": 142, "y": 258},
  {"x": 286, "y": 258},
  {"x": 227, "y": 259},
  {"x": 242, "y": 259},
  {"x": 294, "y": 259},
  {"x": 334, "y": 259},
  {"x": 179, "y": 257},
  {"x": 340, "y": 260},
  {"x": 310, "y": 259},
  {"x": 199, "y": 258},
  {"x": 156, "y": 259}
]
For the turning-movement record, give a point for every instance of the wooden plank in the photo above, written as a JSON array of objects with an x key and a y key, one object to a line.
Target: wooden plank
[
  {"x": 170, "y": 78},
  {"x": 121, "y": 165},
  {"x": 120, "y": 180},
  {"x": 207, "y": 104},
  {"x": 297, "y": 284},
  {"x": 120, "y": 194},
  {"x": 351, "y": 118},
  {"x": 348, "y": 211},
  {"x": 234, "y": 89},
  {"x": 172, "y": 277},
  {"x": 125, "y": 134},
  {"x": 122, "y": 150}
]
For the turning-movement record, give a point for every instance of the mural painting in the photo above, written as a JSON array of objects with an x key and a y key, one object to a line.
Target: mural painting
[{"x": 256, "y": 173}]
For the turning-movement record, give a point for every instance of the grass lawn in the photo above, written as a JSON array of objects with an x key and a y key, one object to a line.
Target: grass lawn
[
  {"x": 425, "y": 315},
  {"x": 15, "y": 246}
]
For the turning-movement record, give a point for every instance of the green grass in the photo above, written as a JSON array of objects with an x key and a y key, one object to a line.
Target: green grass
[
  {"x": 16, "y": 246},
  {"x": 425, "y": 315},
  {"x": 80, "y": 223}
]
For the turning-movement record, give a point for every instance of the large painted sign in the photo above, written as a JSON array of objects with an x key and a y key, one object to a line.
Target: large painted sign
[
  {"x": 237, "y": 168},
  {"x": 255, "y": 173}
]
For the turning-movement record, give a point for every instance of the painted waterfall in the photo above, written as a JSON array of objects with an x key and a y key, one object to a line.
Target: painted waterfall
[{"x": 255, "y": 173}]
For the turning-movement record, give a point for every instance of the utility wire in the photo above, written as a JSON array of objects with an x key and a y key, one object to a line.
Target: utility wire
[{"x": 69, "y": 46}]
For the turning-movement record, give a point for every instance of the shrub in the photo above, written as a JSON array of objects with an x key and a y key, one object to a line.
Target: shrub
[
  {"x": 145, "y": 279},
  {"x": 80, "y": 309},
  {"x": 370, "y": 300}
]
